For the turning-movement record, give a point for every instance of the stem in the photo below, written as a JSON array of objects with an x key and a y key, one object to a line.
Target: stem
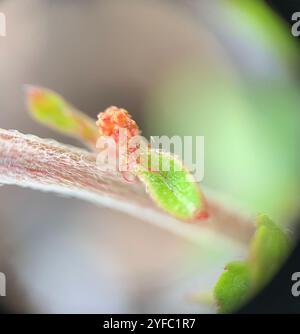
[{"x": 47, "y": 165}]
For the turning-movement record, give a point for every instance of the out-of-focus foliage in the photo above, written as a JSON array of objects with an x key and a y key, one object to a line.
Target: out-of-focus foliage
[
  {"x": 52, "y": 110},
  {"x": 269, "y": 248},
  {"x": 249, "y": 117},
  {"x": 233, "y": 287},
  {"x": 266, "y": 25}
]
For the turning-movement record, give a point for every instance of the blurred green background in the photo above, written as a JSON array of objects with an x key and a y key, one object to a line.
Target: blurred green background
[{"x": 248, "y": 113}]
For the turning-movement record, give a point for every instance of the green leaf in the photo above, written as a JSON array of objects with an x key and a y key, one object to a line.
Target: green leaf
[
  {"x": 233, "y": 287},
  {"x": 171, "y": 186},
  {"x": 269, "y": 248},
  {"x": 52, "y": 110}
]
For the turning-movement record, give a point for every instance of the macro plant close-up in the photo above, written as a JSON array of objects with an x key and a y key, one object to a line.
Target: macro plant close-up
[{"x": 149, "y": 157}]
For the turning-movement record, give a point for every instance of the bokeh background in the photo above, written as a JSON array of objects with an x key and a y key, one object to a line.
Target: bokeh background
[{"x": 227, "y": 70}]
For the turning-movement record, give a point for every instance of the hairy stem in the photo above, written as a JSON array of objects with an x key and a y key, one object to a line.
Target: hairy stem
[{"x": 47, "y": 165}]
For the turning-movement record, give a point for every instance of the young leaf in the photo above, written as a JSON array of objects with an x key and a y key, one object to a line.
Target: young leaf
[
  {"x": 233, "y": 287},
  {"x": 172, "y": 186},
  {"x": 53, "y": 111},
  {"x": 269, "y": 247}
]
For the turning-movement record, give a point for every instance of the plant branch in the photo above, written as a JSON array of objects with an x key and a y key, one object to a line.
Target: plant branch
[{"x": 47, "y": 165}]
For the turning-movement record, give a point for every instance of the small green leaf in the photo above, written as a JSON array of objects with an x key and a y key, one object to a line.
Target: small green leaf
[
  {"x": 172, "y": 186},
  {"x": 52, "y": 110},
  {"x": 233, "y": 287},
  {"x": 269, "y": 248}
]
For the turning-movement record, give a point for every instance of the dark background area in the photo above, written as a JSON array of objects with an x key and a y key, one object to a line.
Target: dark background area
[{"x": 284, "y": 8}]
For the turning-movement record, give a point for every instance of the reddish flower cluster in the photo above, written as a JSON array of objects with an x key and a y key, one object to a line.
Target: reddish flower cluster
[
  {"x": 110, "y": 122},
  {"x": 113, "y": 119}
]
